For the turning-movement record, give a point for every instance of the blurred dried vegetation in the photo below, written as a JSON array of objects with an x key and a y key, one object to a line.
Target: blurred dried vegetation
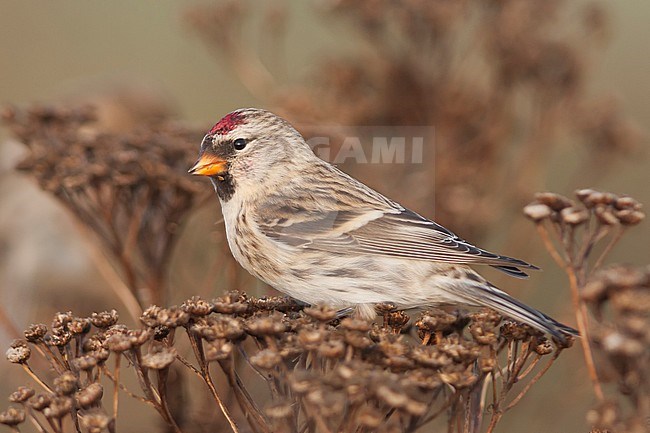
[{"x": 503, "y": 85}]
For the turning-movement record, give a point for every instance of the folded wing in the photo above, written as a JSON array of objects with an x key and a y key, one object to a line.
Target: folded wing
[{"x": 342, "y": 228}]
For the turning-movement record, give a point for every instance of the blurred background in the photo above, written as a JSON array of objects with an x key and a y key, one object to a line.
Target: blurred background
[{"x": 524, "y": 96}]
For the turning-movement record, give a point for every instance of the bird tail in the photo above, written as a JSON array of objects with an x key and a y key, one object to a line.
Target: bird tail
[{"x": 490, "y": 296}]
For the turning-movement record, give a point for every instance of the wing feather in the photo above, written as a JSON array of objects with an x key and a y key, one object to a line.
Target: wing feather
[{"x": 361, "y": 222}]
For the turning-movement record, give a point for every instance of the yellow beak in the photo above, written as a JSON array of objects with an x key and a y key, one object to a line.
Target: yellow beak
[{"x": 208, "y": 164}]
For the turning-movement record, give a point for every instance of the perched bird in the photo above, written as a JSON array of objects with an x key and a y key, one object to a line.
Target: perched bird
[{"x": 311, "y": 231}]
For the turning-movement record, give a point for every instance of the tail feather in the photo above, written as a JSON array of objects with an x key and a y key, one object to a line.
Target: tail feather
[{"x": 515, "y": 309}]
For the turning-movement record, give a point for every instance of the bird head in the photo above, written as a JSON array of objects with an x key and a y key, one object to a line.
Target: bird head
[{"x": 250, "y": 149}]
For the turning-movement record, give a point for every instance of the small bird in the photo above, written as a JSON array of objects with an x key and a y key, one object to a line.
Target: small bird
[{"x": 311, "y": 231}]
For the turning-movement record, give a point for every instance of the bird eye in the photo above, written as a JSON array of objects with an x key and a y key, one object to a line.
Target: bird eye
[{"x": 239, "y": 144}]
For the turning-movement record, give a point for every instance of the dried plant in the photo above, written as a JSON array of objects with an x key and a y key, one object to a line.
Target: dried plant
[
  {"x": 130, "y": 190},
  {"x": 322, "y": 373},
  {"x": 619, "y": 297},
  {"x": 572, "y": 233}
]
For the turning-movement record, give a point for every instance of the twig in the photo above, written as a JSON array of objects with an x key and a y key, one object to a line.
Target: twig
[
  {"x": 36, "y": 378},
  {"x": 543, "y": 233},
  {"x": 581, "y": 320},
  {"x": 533, "y": 381}
]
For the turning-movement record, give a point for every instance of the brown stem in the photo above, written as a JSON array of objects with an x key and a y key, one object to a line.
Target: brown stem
[
  {"x": 533, "y": 381},
  {"x": 226, "y": 413},
  {"x": 608, "y": 248},
  {"x": 127, "y": 391},
  {"x": 197, "y": 347},
  {"x": 164, "y": 407},
  {"x": 543, "y": 234},
  {"x": 36, "y": 378},
  {"x": 244, "y": 399},
  {"x": 116, "y": 383},
  {"x": 581, "y": 319}
]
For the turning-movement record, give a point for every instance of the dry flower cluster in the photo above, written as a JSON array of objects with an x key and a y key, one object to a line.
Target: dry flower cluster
[
  {"x": 130, "y": 190},
  {"x": 323, "y": 373},
  {"x": 618, "y": 296}
]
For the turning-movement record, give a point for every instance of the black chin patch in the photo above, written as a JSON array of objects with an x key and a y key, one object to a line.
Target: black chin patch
[{"x": 224, "y": 185}]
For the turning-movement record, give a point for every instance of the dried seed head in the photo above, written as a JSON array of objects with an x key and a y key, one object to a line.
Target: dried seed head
[
  {"x": 273, "y": 303},
  {"x": 84, "y": 363},
  {"x": 486, "y": 317},
  {"x": 542, "y": 346},
  {"x": 301, "y": 381},
  {"x": 35, "y": 333},
  {"x": 632, "y": 300},
  {"x": 149, "y": 316},
  {"x": 458, "y": 379},
  {"x": 430, "y": 356},
  {"x": 392, "y": 394},
  {"x": 104, "y": 319},
  {"x": 328, "y": 403},
  {"x": 90, "y": 395},
  {"x": 218, "y": 350},
  {"x": 437, "y": 321},
  {"x": 221, "y": 327},
  {"x": 160, "y": 358},
  {"x": 79, "y": 325},
  {"x": 392, "y": 346},
  {"x": 118, "y": 343},
  {"x": 482, "y": 335},
  {"x": 311, "y": 338},
  {"x": 396, "y": 320},
  {"x": 385, "y": 307},
  {"x": 605, "y": 215},
  {"x": 357, "y": 339},
  {"x": 18, "y": 353},
  {"x": 100, "y": 355},
  {"x": 172, "y": 317},
  {"x": 60, "y": 321},
  {"x": 619, "y": 344},
  {"x": 487, "y": 365},
  {"x": 268, "y": 325},
  {"x": 424, "y": 379},
  {"x": 12, "y": 416},
  {"x": 537, "y": 211},
  {"x": 58, "y": 338},
  {"x": 66, "y": 383},
  {"x": 195, "y": 306},
  {"x": 605, "y": 414},
  {"x": 279, "y": 410},
  {"x": 596, "y": 198},
  {"x": 355, "y": 325},
  {"x": 627, "y": 203},
  {"x": 556, "y": 202},
  {"x": 415, "y": 407},
  {"x": 511, "y": 330},
  {"x": 95, "y": 421},
  {"x": 574, "y": 215},
  {"x": 334, "y": 349},
  {"x": 583, "y": 194},
  {"x": 138, "y": 337},
  {"x": 321, "y": 313},
  {"x": 629, "y": 217},
  {"x": 231, "y": 303},
  {"x": 370, "y": 417},
  {"x": 266, "y": 359},
  {"x": 58, "y": 408},
  {"x": 39, "y": 402},
  {"x": 21, "y": 395}
]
